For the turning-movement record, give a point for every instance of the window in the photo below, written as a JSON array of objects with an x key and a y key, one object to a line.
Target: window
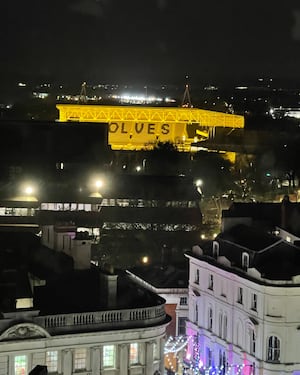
[
  {"x": 240, "y": 295},
  {"x": 134, "y": 353},
  {"x": 252, "y": 341},
  {"x": 220, "y": 324},
  {"x": 197, "y": 277},
  {"x": 109, "y": 356},
  {"x": 80, "y": 359},
  {"x": 223, "y": 288},
  {"x": 51, "y": 361},
  {"x": 20, "y": 365},
  {"x": 155, "y": 351},
  {"x": 225, "y": 327},
  {"x": 183, "y": 301},
  {"x": 211, "y": 282},
  {"x": 208, "y": 357},
  {"x": 254, "y": 301},
  {"x": 245, "y": 260},
  {"x": 210, "y": 319},
  {"x": 181, "y": 326},
  {"x": 196, "y": 313},
  {"x": 273, "y": 349}
]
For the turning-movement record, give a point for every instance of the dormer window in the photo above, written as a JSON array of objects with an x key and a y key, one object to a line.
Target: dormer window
[
  {"x": 216, "y": 249},
  {"x": 245, "y": 260}
]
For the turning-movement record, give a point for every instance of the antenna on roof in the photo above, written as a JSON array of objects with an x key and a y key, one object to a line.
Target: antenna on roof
[
  {"x": 186, "y": 100},
  {"x": 83, "y": 96}
]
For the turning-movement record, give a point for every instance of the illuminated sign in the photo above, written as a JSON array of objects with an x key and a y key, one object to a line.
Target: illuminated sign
[
  {"x": 138, "y": 127},
  {"x": 139, "y": 135}
]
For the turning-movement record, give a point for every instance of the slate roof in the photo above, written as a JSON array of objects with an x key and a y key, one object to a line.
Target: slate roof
[
  {"x": 163, "y": 276},
  {"x": 66, "y": 290},
  {"x": 273, "y": 257}
]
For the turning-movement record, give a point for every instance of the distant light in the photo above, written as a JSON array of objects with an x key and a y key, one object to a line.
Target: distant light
[
  {"x": 22, "y": 84},
  {"x": 145, "y": 260},
  {"x": 28, "y": 190},
  {"x": 198, "y": 182},
  {"x": 202, "y": 236},
  {"x": 99, "y": 183},
  {"x": 138, "y": 168},
  {"x": 215, "y": 235}
]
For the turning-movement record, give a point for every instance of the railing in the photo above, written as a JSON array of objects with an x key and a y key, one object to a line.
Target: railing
[{"x": 113, "y": 319}]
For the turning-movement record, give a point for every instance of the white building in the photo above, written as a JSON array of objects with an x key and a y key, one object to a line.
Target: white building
[
  {"x": 59, "y": 312},
  {"x": 171, "y": 283},
  {"x": 244, "y": 311}
]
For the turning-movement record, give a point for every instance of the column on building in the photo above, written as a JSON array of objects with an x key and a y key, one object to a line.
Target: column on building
[
  {"x": 162, "y": 355},
  {"x": 95, "y": 360},
  {"x": 124, "y": 363},
  {"x": 4, "y": 364},
  {"x": 67, "y": 362},
  {"x": 149, "y": 358}
]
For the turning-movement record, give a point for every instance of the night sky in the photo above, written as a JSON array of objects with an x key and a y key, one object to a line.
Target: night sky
[{"x": 150, "y": 41}]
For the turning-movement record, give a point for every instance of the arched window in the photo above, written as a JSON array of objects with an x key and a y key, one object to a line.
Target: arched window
[
  {"x": 273, "y": 352},
  {"x": 225, "y": 327},
  {"x": 220, "y": 324},
  {"x": 196, "y": 313},
  {"x": 245, "y": 260},
  {"x": 252, "y": 337},
  {"x": 210, "y": 318}
]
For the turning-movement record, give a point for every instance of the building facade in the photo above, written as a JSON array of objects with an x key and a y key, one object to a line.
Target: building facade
[
  {"x": 243, "y": 305},
  {"x": 59, "y": 311}
]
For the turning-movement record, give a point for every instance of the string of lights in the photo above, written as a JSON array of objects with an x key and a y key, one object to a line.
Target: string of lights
[{"x": 192, "y": 364}]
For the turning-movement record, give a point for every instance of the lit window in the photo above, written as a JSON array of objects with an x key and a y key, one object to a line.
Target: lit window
[
  {"x": 80, "y": 359},
  {"x": 240, "y": 295},
  {"x": 155, "y": 351},
  {"x": 51, "y": 361},
  {"x": 211, "y": 282},
  {"x": 134, "y": 353},
  {"x": 109, "y": 356},
  {"x": 20, "y": 365},
  {"x": 254, "y": 301},
  {"x": 273, "y": 353}
]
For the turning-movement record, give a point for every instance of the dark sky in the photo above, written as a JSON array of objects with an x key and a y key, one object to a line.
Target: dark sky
[{"x": 142, "y": 41}]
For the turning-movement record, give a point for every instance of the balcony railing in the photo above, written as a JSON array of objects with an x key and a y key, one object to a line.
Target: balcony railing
[{"x": 102, "y": 320}]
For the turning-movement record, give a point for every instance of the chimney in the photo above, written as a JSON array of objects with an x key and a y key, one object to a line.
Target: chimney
[
  {"x": 285, "y": 203},
  {"x": 110, "y": 280},
  {"x": 81, "y": 251}
]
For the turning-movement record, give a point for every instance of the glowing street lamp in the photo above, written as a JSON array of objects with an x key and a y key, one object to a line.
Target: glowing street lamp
[
  {"x": 99, "y": 184},
  {"x": 28, "y": 190}
]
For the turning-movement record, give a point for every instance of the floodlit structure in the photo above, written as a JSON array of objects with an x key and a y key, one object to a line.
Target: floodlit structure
[
  {"x": 244, "y": 290},
  {"x": 60, "y": 312},
  {"x": 138, "y": 127}
]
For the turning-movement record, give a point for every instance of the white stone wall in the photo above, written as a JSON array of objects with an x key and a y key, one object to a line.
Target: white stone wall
[
  {"x": 277, "y": 314},
  {"x": 35, "y": 351}
]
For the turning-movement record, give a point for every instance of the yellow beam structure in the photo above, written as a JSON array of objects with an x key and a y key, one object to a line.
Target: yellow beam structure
[{"x": 138, "y": 127}]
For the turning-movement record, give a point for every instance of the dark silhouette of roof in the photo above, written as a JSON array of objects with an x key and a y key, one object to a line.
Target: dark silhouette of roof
[{"x": 273, "y": 257}]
